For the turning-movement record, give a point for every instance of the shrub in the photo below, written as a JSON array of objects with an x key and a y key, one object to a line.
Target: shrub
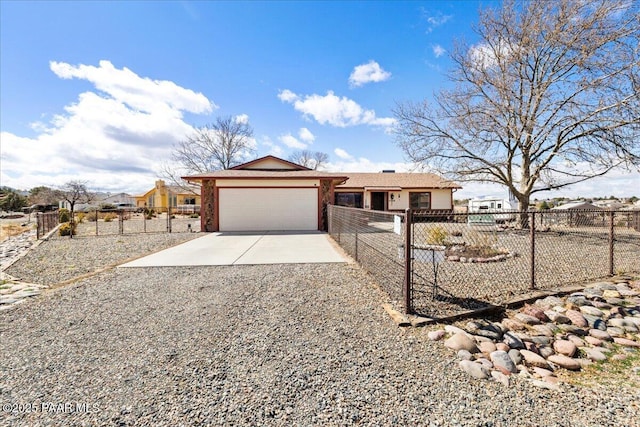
[
  {"x": 110, "y": 217},
  {"x": 64, "y": 215},
  {"x": 487, "y": 238},
  {"x": 66, "y": 229},
  {"x": 80, "y": 217},
  {"x": 194, "y": 215},
  {"x": 92, "y": 216},
  {"x": 437, "y": 236}
]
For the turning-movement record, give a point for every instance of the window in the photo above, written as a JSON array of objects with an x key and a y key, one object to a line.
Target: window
[
  {"x": 350, "y": 200},
  {"x": 420, "y": 200},
  {"x": 189, "y": 200}
]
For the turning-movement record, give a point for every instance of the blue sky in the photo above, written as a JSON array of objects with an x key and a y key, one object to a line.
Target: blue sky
[{"x": 100, "y": 91}]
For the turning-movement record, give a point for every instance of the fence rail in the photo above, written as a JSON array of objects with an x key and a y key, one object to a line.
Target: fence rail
[{"x": 439, "y": 264}]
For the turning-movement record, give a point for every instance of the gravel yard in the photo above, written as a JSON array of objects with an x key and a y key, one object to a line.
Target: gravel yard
[{"x": 246, "y": 345}]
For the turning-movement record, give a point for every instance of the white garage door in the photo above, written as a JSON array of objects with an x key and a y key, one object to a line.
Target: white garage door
[{"x": 262, "y": 209}]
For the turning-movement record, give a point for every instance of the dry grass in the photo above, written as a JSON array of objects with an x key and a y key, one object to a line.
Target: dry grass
[
  {"x": 610, "y": 373},
  {"x": 10, "y": 230}
]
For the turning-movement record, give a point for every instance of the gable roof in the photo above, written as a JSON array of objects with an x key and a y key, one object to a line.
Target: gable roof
[
  {"x": 269, "y": 174},
  {"x": 395, "y": 180},
  {"x": 270, "y": 163}
]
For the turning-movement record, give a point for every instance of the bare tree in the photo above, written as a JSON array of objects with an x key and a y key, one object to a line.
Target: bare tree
[
  {"x": 548, "y": 98},
  {"x": 309, "y": 159},
  {"x": 73, "y": 192},
  {"x": 42, "y": 195},
  {"x": 220, "y": 145}
]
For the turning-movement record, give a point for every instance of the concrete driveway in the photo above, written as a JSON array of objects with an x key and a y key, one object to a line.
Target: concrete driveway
[{"x": 247, "y": 248}]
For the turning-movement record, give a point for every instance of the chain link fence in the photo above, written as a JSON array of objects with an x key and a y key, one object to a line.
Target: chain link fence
[
  {"x": 461, "y": 262},
  {"x": 369, "y": 238},
  {"x": 45, "y": 222},
  {"x": 103, "y": 222}
]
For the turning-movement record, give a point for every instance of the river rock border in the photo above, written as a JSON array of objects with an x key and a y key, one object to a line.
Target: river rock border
[{"x": 551, "y": 335}]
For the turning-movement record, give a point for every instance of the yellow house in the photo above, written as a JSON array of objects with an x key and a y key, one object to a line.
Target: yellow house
[{"x": 184, "y": 199}]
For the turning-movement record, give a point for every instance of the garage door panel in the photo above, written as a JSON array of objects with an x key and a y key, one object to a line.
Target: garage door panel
[{"x": 261, "y": 209}]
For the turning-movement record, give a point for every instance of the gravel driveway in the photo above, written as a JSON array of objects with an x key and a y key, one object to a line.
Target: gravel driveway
[{"x": 254, "y": 345}]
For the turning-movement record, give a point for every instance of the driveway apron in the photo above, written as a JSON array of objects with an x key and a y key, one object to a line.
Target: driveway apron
[{"x": 246, "y": 248}]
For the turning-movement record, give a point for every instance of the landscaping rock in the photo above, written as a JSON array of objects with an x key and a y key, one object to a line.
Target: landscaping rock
[
  {"x": 592, "y": 311},
  {"x": 512, "y": 340},
  {"x": 503, "y": 362},
  {"x": 527, "y": 319},
  {"x": 436, "y": 335},
  {"x": 565, "y": 362},
  {"x": 464, "y": 355},
  {"x": 487, "y": 347},
  {"x": 593, "y": 354},
  {"x": 626, "y": 342},
  {"x": 565, "y": 347},
  {"x": 533, "y": 359},
  {"x": 475, "y": 370},
  {"x": 599, "y": 334},
  {"x": 577, "y": 318},
  {"x": 461, "y": 341},
  {"x": 515, "y": 356},
  {"x": 500, "y": 377}
]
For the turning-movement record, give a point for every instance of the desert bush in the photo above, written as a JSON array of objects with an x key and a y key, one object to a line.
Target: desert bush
[
  {"x": 92, "y": 216},
  {"x": 64, "y": 215},
  {"x": 110, "y": 217},
  {"x": 437, "y": 236},
  {"x": 66, "y": 229},
  {"x": 80, "y": 217},
  {"x": 481, "y": 238}
]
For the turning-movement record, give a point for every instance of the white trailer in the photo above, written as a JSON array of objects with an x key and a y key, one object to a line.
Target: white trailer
[{"x": 494, "y": 210}]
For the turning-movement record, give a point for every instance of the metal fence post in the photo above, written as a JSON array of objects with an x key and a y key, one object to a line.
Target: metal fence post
[
  {"x": 407, "y": 260},
  {"x": 532, "y": 228},
  {"x": 356, "y": 244},
  {"x": 611, "y": 239}
]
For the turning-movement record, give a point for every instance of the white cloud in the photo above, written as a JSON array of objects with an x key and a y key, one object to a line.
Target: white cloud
[
  {"x": 136, "y": 92},
  {"x": 242, "y": 118},
  {"x": 438, "y": 50},
  {"x": 367, "y": 73},
  {"x": 435, "y": 20},
  {"x": 114, "y": 137},
  {"x": 484, "y": 56},
  {"x": 287, "y": 96},
  {"x": 291, "y": 141},
  {"x": 334, "y": 110},
  {"x": 306, "y": 135},
  {"x": 342, "y": 154},
  {"x": 273, "y": 149}
]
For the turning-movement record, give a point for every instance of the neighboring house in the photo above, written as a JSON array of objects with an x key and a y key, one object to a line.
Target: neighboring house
[
  {"x": 576, "y": 206},
  {"x": 274, "y": 194},
  {"x": 390, "y": 191},
  {"x": 120, "y": 199},
  {"x": 162, "y": 196},
  {"x": 609, "y": 204}
]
